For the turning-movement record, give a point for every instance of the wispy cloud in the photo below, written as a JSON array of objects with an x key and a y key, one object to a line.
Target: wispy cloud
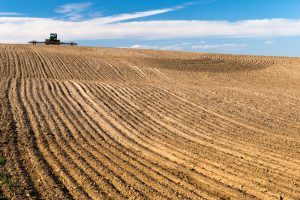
[
  {"x": 187, "y": 46},
  {"x": 10, "y": 14},
  {"x": 175, "y": 46},
  {"x": 217, "y": 46},
  {"x": 77, "y": 10},
  {"x": 142, "y": 46},
  {"x": 73, "y": 11},
  {"x": 270, "y": 42},
  {"x": 136, "y": 15}
]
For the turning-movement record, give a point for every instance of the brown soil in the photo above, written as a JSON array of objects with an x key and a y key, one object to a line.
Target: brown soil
[{"x": 100, "y": 123}]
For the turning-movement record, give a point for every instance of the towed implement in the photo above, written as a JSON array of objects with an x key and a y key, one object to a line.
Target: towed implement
[{"x": 53, "y": 41}]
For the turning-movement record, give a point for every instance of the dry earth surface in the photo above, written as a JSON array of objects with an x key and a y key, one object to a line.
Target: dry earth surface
[{"x": 101, "y": 123}]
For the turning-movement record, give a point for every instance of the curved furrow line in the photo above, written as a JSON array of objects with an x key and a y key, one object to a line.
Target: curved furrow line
[
  {"x": 39, "y": 58},
  {"x": 96, "y": 72},
  {"x": 153, "y": 128},
  {"x": 91, "y": 66},
  {"x": 148, "y": 120},
  {"x": 250, "y": 178},
  {"x": 93, "y": 123},
  {"x": 37, "y": 168},
  {"x": 251, "y": 119},
  {"x": 120, "y": 148},
  {"x": 116, "y": 70},
  {"x": 135, "y": 115},
  {"x": 56, "y": 159},
  {"x": 66, "y": 71},
  {"x": 134, "y": 71},
  {"x": 293, "y": 177},
  {"x": 194, "y": 106},
  {"x": 149, "y": 179},
  {"x": 128, "y": 140},
  {"x": 35, "y": 69},
  {"x": 265, "y": 148},
  {"x": 244, "y": 104},
  {"x": 63, "y": 71},
  {"x": 279, "y": 118},
  {"x": 5, "y": 71},
  {"x": 120, "y": 69},
  {"x": 192, "y": 115},
  {"x": 165, "y": 107},
  {"x": 81, "y": 140},
  {"x": 52, "y": 149},
  {"x": 9, "y": 64},
  {"x": 88, "y": 71},
  {"x": 58, "y": 71},
  {"x": 68, "y": 68},
  {"x": 227, "y": 177},
  {"x": 210, "y": 139},
  {"x": 103, "y": 69},
  {"x": 132, "y": 128},
  {"x": 106, "y": 159},
  {"x": 129, "y": 132},
  {"x": 45, "y": 69},
  {"x": 259, "y": 93},
  {"x": 176, "y": 139},
  {"x": 16, "y": 64},
  {"x": 137, "y": 70},
  {"x": 105, "y": 156},
  {"x": 29, "y": 66},
  {"x": 24, "y": 64},
  {"x": 119, "y": 129},
  {"x": 268, "y": 95},
  {"x": 199, "y": 174},
  {"x": 111, "y": 69},
  {"x": 12, "y": 148},
  {"x": 69, "y": 154},
  {"x": 133, "y": 118},
  {"x": 98, "y": 67},
  {"x": 237, "y": 135},
  {"x": 85, "y": 73},
  {"x": 125, "y": 103},
  {"x": 49, "y": 65}
]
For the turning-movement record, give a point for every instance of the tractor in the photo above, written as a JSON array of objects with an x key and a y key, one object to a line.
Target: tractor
[{"x": 53, "y": 41}]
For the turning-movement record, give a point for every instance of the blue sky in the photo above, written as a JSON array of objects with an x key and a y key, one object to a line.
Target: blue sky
[{"x": 260, "y": 27}]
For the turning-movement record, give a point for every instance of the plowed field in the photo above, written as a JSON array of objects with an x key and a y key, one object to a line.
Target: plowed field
[{"x": 101, "y": 123}]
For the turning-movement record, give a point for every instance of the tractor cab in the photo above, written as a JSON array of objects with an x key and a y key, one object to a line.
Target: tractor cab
[
  {"x": 53, "y": 36},
  {"x": 52, "y": 40}
]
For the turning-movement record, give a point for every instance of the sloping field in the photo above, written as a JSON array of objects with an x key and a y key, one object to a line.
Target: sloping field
[{"x": 100, "y": 123}]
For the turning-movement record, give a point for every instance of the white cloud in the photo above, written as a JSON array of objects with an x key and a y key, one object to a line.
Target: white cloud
[
  {"x": 23, "y": 29},
  {"x": 73, "y": 11},
  {"x": 186, "y": 46},
  {"x": 269, "y": 42},
  {"x": 217, "y": 46},
  {"x": 136, "y": 46},
  {"x": 76, "y": 7},
  {"x": 166, "y": 47}
]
